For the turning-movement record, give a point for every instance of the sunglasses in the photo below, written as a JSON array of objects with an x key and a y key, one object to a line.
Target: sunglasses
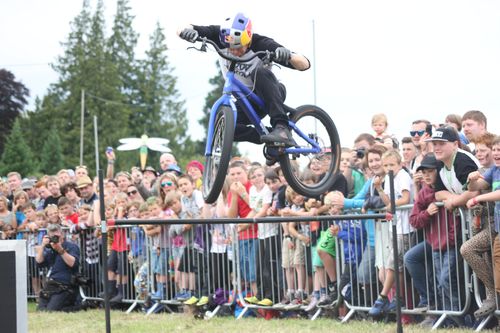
[
  {"x": 81, "y": 167},
  {"x": 132, "y": 192},
  {"x": 167, "y": 183},
  {"x": 414, "y": 133}
]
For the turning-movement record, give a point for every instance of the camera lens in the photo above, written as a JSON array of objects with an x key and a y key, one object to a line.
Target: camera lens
[{"x": 360, "y": 153}]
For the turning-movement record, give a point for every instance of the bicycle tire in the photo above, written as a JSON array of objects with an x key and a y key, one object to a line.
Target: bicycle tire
[
  {"x": 217, "y": 162},
  {"x": 331, "y": 141}
]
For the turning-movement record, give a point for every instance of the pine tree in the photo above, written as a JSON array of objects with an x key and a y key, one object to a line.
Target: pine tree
[
  {"x": 52, "y": 158},
  {"x": 12, "y": 101},
  {"x": 17, "y": 155},
  {"x": 121, "y": 45},
  {"x": 164, "y": 114}
]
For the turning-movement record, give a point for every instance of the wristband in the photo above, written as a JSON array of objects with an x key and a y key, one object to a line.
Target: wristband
[
  {"x": 111, "y": 162},
  {"x": 62, "y": 252},
  {"x": 474, "y": 201}
]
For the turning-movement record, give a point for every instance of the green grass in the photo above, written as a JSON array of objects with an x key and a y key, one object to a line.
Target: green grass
[{"x": 94, "y": 321}]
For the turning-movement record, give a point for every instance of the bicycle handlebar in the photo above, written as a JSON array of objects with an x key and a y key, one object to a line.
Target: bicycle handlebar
[{"x": 269, "y": 55}]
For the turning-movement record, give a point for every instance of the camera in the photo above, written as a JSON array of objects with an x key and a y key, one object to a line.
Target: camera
[
  {"x": 360, "y": 153},
  {"x": 52, "y": 239},
  {"x": 428, "y": 129}
]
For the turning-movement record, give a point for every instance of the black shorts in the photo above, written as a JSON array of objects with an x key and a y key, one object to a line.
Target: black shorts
[
  {"x": 117, "y": 262},
  {"x": 188, "y": 260}
]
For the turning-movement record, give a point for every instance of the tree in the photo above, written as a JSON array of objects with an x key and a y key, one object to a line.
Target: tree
[
  {"x": 17, "y": 155},
  {"x": 161, "y": 112},
  {"x": 52, "y": 159},
  {"x": 12, "y": 101}
]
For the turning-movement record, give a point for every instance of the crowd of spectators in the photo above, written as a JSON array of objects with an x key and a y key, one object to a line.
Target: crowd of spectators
[{"x": 454, "y": 162}]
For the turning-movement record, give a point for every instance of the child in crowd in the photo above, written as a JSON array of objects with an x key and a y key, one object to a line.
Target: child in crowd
[
  {"x": 20, "y": 198},
  {"x": 391, "y": 161},
  {"x": 195, "y": 170},
  {"x": 379, "y": 126},
  {"x": 192, "y": 204},
  {"x": 33, "y": 240},
  {"x": 353, "y": 237},
  {"x": 159, "y": 247},
  {"x": 260, "y": 202},
  {"x": 52, "y": 213},
  {"x": 302, "y": 260},
  {"x": 137, "y": 254},
  {"x": 68, "y": 215},
  {"x": 221, "y": 243}
]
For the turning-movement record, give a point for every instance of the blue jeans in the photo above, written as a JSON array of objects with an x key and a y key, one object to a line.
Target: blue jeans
[
  {"x": 445, "y": 266},
  {"x": 248, "y": 255},
  {"x": 418, "y": 261}
]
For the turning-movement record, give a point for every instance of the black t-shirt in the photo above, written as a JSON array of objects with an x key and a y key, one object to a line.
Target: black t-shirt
[
  {"x": 453, "y": 180},
  {"x": 51, "y": 200}
]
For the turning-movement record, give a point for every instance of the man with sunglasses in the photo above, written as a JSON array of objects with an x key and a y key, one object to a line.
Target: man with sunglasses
[{"x": 418, "y": 135}]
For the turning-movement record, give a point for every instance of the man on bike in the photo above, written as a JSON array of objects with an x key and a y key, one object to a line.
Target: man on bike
[{"x": 236, "y": 37}]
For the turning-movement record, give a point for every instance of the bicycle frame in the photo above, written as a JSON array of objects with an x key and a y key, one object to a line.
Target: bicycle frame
[{"x": 233, "y": 88}]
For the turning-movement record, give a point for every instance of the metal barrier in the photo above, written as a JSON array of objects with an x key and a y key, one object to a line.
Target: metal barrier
[
  {"x": 215, "y": 259},
  {"x": 444, "y": 285}
]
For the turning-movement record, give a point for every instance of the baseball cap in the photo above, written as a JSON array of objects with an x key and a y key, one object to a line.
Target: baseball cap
[
  {"x": 445, "y": 134},
  {"x": 27, "y": 184},
  {"x": 151, "y": 169},
  {"x": 429, "y": 162},
  {"x": 83, "y": 181},
  {"x": 174, "y": 168}
]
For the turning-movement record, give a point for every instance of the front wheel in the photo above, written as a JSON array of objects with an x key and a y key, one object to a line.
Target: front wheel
[
  {"x": 217, "y": 162},
  {"x": 312, "y": 174}
]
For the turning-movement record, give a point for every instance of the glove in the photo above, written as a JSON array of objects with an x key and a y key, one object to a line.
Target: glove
[
  {"x": 189, "y": 34},
  {"x": 282, "y": 54}
]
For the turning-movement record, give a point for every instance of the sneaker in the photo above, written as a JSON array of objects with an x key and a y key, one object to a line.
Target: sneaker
[
  {"x": 265, "y": 302},
  {"x": 380, "y": 307},
  {"x": 489, "y": 306},
  {"x": 280, "y": 136},
  {"x": 295, "y": 304},
  {"x": 427, "y": 323},
  {"x": 284, "y": 302},
  {"x": 251, "y": 300},
  {"x": 327, "y": 300},
  {"x": 203, "y": 301},
  {"x": 312, "y": 305},
  {"x": 117, "y": 298},
  {"x": 183, "y": 296},
  {"x": 422, "y": 306},
  {"x": 191, "y": 301}
]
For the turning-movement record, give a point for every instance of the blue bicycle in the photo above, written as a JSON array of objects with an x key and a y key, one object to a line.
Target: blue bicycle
[{"x": 312, "y": 129}]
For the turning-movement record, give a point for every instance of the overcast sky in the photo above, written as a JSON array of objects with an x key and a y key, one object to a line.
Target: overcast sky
[{"x": 407, "y": 59}]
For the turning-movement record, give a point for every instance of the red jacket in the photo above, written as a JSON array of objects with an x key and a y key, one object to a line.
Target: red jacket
[{"x": 440, "y": 229}]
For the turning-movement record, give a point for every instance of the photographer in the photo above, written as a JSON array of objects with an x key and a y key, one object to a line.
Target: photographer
[{"x": 62, "y": 258}]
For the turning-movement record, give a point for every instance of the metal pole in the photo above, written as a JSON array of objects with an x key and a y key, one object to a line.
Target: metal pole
[
  {"x": 314, "y": 72},
  {"x": 395, "y": 252},
  {"x": 96, "y": 140},
  {"x": 82, "y": 121},
  {"x": 104, "y": 255}
]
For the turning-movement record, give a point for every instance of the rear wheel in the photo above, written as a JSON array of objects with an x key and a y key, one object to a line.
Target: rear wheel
[
  {"x": 298, "y": 169},
  {"x": 217, "y": 162}
]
